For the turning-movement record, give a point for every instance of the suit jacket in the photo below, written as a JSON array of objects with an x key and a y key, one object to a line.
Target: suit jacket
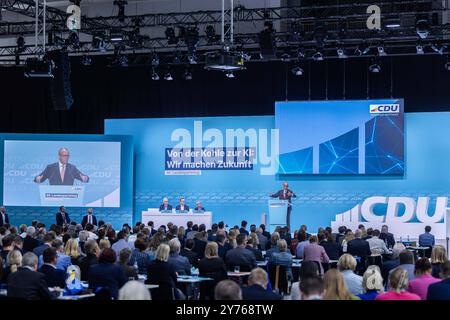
[
  {"x": 242, "y": 230},
  {"x": 85, "y": 266},
  {"x": 199, "y": 209},
  {"x": 29, "y": 285},
  {"x": 191, "y": 255},
  {"x": 54, "y": 277},
  {"x": 241, "y": 257},
  {"x": 52, "y": 173},
  {"x": 199, "y": 248},
  {"x": 161, "y": 273},
  {"x": 6, "y": 219},
  {"x": 212, "y": 268},
  {"x": 280, "y": 195},
  {"x": 388, "y": 238},
  {"x": 40, "y": 250},
  {"x": 84, "y": 221},
  {"x": 359, "y": 247},
  {"x": 161, "y": 207},
  {"x": 180, "y": 263},
  {"x": 439, "y": 290},
  {"x": 258, "y": 253},
  {"x": 178, "y": 207},
  {"x": 108, "y": 275},
  {"x": 29, "y": 244},
  {"x": 59, "y": 218},
  {"x": 256, "y": 292}
]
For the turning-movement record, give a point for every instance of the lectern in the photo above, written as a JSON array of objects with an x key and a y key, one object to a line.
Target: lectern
[
  {"x": 61, "y": 195},
  {"x": 277, "y": 214}
]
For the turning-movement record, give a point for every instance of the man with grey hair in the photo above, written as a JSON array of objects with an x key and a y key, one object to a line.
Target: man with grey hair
[
  {"x": 27, "y": 283},
  {"x": 227, "y": 290},
  {"x": 29, "y": 242},
  {"x": 165, "y": 205},
  {"x": 61, "y": 173},
  {"x": 359, "y": 247},
  {"x": 180, "y": 263},
  {"x": 257, "y": 287}
]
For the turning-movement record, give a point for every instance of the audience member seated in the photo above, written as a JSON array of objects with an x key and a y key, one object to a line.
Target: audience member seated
[
  {"x": 243, "y": 228},
  {"x": 211, "y": 266},
  {"x": 222, "y": 247},
  {"x": 29, "y": 242},
  {"x": 302, "y": 243},
  {"x": 189, "y": 253},
  {"x": 262, "y": 240},
  {"x": 121, "y": 243},
  {"x": 398, "y": 285},
  {"x": 7, "y": 246},
  {"x": 406, "y": 262},
  {"x": 257, "y": 287},
  {"x": 134, "y": 290},
  {"x": 307, "y": 269},
  {"x": 200, "y": 240},
  {"x": 419, "y": 285},
  {"x": 239, "y": 256},
  {"x": 314, "y": 252},
  {"x": 227, "y": 290},
  {"x": 140, "y": 256},
  {"x": 13, "y": 263},
  {"x": 273, "y": 244},
  {"x": 341, "y": 235},
  {"x": 180, "y": 263},
  {"x": 332, "y": 248},
  {"x": 438, "y": 258},
  {"x": 48, "y": 239},
  {"x": 335, "y": 288},
  {"x": 312, "y": 288},
  {"x": 53, "y": 276},
  {"x": 124, "y": 260},
  {"x": 92, "y": 253},
  {"x": 426, "y": 239},
  {"x": 27, "y": 283},
  {"x": 349, "y": 236},
  {"x": 103, "y": 244},
  {"x": 347, "y": 266},
  {"x": 394, "y": 262},
  {"x": 252, "y": 245},
  {"x": 63, "y": 260},
  {"x": 372, "y": 283},
  {"x": 360, "y": 248},
  {"x": 377, "y": 246},
  {"x": 107, "y": 274},
  {"x": 441, "y": 290},
  {"x": 387, "y": 237},
  {"x": 72, "y": 250},
  {"x": 162, "y": 273}
]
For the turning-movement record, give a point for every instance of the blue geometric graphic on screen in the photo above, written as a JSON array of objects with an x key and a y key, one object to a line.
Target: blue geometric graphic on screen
[
  {"x": 340, "y": 155},
  {"x": 297, "y": 162},
  {"x": 385, "y": 145}
]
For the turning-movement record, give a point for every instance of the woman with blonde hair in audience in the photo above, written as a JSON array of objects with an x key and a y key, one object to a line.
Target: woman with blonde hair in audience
[
  {"x": 181, "y": 235},
  {"x": 347, "y": 265},
  {"x": 398, "y": 285},
  {"x": 438, "y": 258},
  {"x": 211, "y": 266},
  {"x": 134, "y": 290},
  {"x": 72, "y": 250},
  {"x": 104, "y": 244},
  {"x": 372, "y": 283},
  {"x": 13, "y": 262},
  {"x": 349, "y": 236},
  {"x": 335, "y": 288},
  {"x": 231, "y": 243}
]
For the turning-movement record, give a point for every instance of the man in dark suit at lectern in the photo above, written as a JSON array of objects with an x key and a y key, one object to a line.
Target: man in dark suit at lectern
[
  {"x": 286, "y": 194},
  {"x": 165, "y": 206}
]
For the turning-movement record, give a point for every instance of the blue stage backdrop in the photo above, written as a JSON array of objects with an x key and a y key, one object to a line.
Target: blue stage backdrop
[
  {"x": 230, "y": 164},
  {"x": 105, "y": 161}
]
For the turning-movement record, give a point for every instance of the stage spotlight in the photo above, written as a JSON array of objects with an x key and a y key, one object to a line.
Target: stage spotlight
[
  {"x": 318, "y": 56},
  {"x": 155, "y": 75},
  {"x": 155, "y": 60},
  {"x": 192, "y": 58},
  {"x": 116, "y": 36},
  {"x": 122, "y": 61},
  {"x": 20, "y": 44},
  {"x": 363, "y": 50},
  {"x": 420, "y": 49},
  {"x": 381, "y": 51},
  {"x": 229, "y": 75},
  {"x": 341, "y": 53},
  {"x": 247, "y": 56},
  {"x": 191, "y": 38},
  {"x": 121, "y": 4},
  {"x": 98, "y": 43},
  {"x": 187, "y": 75},
  {"x": 393, "y": 23},
  {"x": 210, "y": 34},
  {"x": 422, "y": 29},
  {"x": 297, "y": 71},
  {"x": 438, "y": 49},
  {"x": 168, "y": 76},
  {"x": 301, "y": 54},
  {"x": 375, "y": 67},
  {"x": 86, "y": 60},
  {"x": 170, "y": 36}
]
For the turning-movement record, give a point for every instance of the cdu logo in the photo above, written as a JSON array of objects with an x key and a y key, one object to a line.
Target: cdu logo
[{"x": 384, "y": 108}]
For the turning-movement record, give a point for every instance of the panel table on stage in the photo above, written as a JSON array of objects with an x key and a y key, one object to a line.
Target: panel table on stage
[{"x": 179, "y": 219}]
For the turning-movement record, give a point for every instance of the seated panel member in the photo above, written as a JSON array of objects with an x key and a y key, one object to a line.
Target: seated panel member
[
  {"x": 198, "y": 207},
  {"x": 165, "y": 206},
  {"x": 182, "y": 206}
]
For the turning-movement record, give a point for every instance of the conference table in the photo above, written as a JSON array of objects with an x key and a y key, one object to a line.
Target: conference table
[
  {"x": 179, "y": 219},
  {"x": 4, "y": 293}
]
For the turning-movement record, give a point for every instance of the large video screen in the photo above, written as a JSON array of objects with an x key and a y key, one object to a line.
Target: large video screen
[
  {"x": 359, "y": 137},
  {"x": 54, "y": 173}
]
